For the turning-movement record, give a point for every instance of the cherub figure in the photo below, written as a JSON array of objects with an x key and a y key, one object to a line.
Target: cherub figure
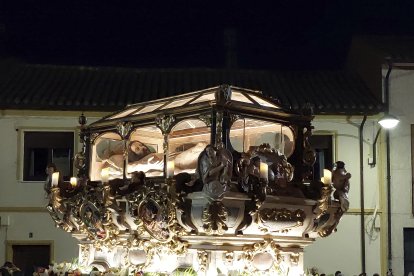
[{"x": 340, "y": 180}]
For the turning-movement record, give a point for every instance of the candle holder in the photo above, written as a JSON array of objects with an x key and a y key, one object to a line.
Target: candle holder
[
  {"x": 105, "y": 175},
  {"x": 73, "y": 182},
  {"x": 264, "y": 172},
  {"x": 55, "y": 198},
  {"x": 55, "y": 179},
  {"x": 170, "y": 169}
]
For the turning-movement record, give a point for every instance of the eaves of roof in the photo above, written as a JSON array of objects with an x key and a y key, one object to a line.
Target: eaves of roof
[{"x": 56, "y": 87}]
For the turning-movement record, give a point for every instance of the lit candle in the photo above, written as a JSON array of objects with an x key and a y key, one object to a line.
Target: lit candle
[
  {"x": 55, "y": 178},
  {"x": 264, "y": 170},
  {"x": 105, "y": 175},
  {"x": 73, "y": 181},
  {"x": 327, "y": 177},
  {"x": 170, "y": 168}
]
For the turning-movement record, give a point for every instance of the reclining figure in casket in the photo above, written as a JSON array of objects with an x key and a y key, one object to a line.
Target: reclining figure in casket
[{"x": 142, "y": 158}]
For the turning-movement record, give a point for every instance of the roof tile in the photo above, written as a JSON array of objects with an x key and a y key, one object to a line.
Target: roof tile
[{"x": 107, "y": 89}]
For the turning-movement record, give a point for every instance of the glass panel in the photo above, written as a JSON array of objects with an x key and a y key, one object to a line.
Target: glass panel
[
  {"x": 186, "y": 141},
  {"x": 204, "y": 98},
  {"x": 237, "y": 96},
  {"x": 192, "y": 123},
  {"x": 176, "y": 103},
  {"x": 107, "y": 153},
  {"x": 145, "y": 151},
  {"x": 149, "y": 108},
  {"x": 123, "y": 113},
  {"x": 263, "y": 102},
  {"x": 247, "y": 133}
]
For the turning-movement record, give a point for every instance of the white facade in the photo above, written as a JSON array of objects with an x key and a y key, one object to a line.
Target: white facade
[
  {"x": 22, "y": 203},
  {"x": 401, "y": 105},
  {"x": 342, "y": 250}
]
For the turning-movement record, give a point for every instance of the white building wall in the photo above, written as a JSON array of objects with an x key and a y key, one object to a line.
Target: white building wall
[
  {"x": 401, "y": 105},
  {"x": 342, "y": 250},
  {"x": 23, "y": 203}
]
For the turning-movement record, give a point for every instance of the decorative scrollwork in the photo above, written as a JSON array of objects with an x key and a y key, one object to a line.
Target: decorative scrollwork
[
  {"x": 79, "y": 160},
  {"x": 280, "y": 220},
  {"x": 309, "y": 155},
  {"x": 268, "y": 247},
  {"x": 330, "y": 226},
  {"x": 219, "y": 130},
  {"x": 294, "y": 258},
  {"x": 202, "y": 257},
  {"x": 324, "y": 201},
  {"x": 214, "y": 218},
  {"x": 229, "y": 257},
  {"x": 62, "y": 210},
  {"x": 124, "y": 128},
  {"x": 234, "y": 117},
  {"x": 84, "y": 254},
  {"x": 93, "y": 137},
  {"x": 206, "y": 119},
  {"x": 165, "y": 123}
]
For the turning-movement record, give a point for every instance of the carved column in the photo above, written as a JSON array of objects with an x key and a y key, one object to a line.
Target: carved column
[
  {"x": 124, "y": 129},
  {"x": 81, "y": 158},
  {"x": 165, "y": 124},
  {"x": 219, "y": 130}
]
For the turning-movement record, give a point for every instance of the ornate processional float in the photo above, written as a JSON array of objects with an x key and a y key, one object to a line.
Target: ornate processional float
[{"x": 218, "y": 181}]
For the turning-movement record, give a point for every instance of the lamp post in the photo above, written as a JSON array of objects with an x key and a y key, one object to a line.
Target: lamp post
[{"x": 387, "y": 122}]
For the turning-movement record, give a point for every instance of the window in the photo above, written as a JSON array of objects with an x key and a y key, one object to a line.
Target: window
[
  {"x": 323, "y": 146},
  {"x": 41, "y": 148},
  {"x": 408, "y": 250}
]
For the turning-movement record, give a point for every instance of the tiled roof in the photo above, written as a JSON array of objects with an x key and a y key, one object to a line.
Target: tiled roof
[{"x": 28, "y": 86}]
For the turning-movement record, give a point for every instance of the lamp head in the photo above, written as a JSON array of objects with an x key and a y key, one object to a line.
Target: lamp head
[{"x": 388, "y": 121}]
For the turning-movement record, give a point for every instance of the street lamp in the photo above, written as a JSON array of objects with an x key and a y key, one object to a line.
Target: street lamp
[{"x": 388, "y": 121}]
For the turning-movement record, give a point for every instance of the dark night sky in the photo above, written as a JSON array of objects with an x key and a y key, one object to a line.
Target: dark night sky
[{"x": 152, "y": 34}]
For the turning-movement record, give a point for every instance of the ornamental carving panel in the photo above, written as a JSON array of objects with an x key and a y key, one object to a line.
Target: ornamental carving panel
[{"x": 280, "y": 220}]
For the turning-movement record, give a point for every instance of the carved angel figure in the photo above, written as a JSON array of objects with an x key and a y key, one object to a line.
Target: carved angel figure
[
  {"x": 340, "y": 179},
  {"x": 215, "y": 170}
]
